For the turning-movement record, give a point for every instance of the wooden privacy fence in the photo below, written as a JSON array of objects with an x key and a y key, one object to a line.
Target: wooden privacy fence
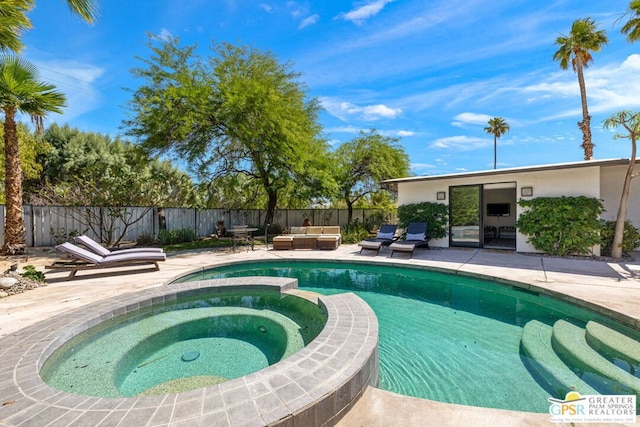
[{"x": 47, "y": 225}]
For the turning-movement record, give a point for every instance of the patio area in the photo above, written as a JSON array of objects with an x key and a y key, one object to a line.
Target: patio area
[{"x": 611, "y": 288}]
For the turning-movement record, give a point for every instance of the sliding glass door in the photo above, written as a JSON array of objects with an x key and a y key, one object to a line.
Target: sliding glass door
[{"x": 465, "y": 215}]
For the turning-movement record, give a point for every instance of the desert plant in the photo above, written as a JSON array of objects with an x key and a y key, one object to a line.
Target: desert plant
[
  {"x": 61, "y": 235},
  {"x": 561, "y": 225},
  {"x": 30, "y": 272},
  {"x": 354, "y": 232},
  {"x": 145, "y": 239},
  {"x": 630, "y": 241}
]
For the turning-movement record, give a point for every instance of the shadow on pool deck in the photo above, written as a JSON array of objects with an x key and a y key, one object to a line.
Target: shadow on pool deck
[{"x": 611, "y": 286}]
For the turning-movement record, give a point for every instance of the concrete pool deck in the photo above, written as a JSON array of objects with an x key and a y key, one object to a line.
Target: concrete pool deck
[{"x": 612, "y": 287}]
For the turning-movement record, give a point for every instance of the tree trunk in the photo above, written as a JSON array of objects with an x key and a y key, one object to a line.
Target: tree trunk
[
  {"x": 272, "y": 202},
  {"x": 14, "y": 231},
  {"x": 349, "y": 210},
  {"x": 585, "y": 124},
  {"x": 495, "y": 151},
  {"x": 618, "y": 236}
]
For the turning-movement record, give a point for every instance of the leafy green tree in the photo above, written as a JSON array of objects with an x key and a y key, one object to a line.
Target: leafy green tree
[
  {"x": 365, "y": 161},
  {"x": 436, "y": 215},
  {"x": 88, "y": 170},
  {"x": 20, "y": 92},
  {"x": 631, "y": 123},
  {"x": 576, "y": 49},
  {"x": 632, "y": 27},
  {"x": 497, "y": 127},
  {"x": 14, "y": 19},
  {"x": 241, "y": 112}
]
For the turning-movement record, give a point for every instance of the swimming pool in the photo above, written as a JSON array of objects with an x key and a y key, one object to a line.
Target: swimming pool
[{"x": 443, "y": 336}]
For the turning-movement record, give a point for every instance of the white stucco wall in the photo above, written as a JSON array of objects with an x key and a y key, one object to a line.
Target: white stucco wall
[
  {"x": 584, "y": 181},
  {"x": 611, "y": 188}
]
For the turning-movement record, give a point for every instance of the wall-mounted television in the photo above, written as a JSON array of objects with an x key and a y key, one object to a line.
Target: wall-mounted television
[{"x": 498, "y": 209}]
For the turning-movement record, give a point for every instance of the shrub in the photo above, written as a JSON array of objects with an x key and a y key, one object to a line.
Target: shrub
[
  {"x": 561, "y": 225},
  {"x": 374, "y": 220},
  {"x": 354, "y": 232},
  {"x": 168, "y": 237},
  {"x": 30, "y": 272},
  {"x": 61, "y": 235},
  {"x": 436, "y": 215},
  {"x": 145, "y": 239},
  {"x": 630, "y": 240}
]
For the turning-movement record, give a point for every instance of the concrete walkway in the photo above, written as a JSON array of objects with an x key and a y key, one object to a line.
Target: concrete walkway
[{"x": 611, "y": 288}]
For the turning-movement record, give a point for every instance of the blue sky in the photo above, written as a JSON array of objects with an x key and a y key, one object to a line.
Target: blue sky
[{"x": 431, "y": 73}]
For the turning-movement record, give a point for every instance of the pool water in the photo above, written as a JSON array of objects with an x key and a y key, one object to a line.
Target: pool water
[
  {"x": 190, "y": 343},
  {"x": 443, "y": 337}
]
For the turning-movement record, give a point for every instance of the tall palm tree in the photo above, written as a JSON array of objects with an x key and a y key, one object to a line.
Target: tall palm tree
[
  {"x": 20, "y": 92},
  {"x": 497, "y": 127},
  {"x": 576, "y": 48},
  {"x": 14, "y": 20},
  {"x": 632, "y": 27}
]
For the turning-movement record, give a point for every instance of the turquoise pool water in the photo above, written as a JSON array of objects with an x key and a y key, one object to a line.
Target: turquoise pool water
[
  {"x": 443, "y": 336},
  {"x": 193, "y": 342}
]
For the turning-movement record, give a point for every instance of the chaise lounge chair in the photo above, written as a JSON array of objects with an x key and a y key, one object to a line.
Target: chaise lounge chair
[
  {"x": 96, "y": 247},
  {"x": 385, "y": 237},
  {"x": 416, "y": 238},
  {"x": 82, "y": 259}
]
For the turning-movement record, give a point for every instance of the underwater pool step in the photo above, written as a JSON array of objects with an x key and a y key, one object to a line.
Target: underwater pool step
[
  {"x": 608, "y": 341},
  {"x": 569, "y": 342},
  {"x": 536, "y": 345}
]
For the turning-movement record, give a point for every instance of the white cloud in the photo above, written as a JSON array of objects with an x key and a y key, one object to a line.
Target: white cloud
[
  {"x": 267, "y": 8},
  {"x": 344, "y": 110},
  {"x": 310, "y": 20},
  {"x": 76, "y": 80},
  {"x": 364, "y": 12},
  {"x": 470, "y": 119},
  {"x": 403, "y": 133},
  {"x": 164, "y": 34},
  {"x": 460, "y": 143}
]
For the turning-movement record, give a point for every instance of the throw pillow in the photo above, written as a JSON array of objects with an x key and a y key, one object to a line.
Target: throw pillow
[
  {"x": 388, "y": 236},
  {"x": 416, "y": 236}
]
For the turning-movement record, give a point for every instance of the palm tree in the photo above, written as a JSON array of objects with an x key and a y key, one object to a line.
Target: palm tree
[
  {"x": 632, "y": 27},
  {"x": 631, "y": 123},
  {"x": 20, "y": 92},
  {"x": 14, "y": 20},
  {"x": 497, "y": 127},
  {"x": 576, "y": 48}
]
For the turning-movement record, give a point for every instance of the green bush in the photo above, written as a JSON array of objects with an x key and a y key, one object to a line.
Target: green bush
[
  {"x": 168, "y": 237},
  {"x": 436, "y": 215},
  {"x": 630, "y": 240},
  {"x": 145, "y": 239},
  {"x": 561, "y": 225},
  {"x": 30, "y": 272},
  {"x": 354, "y": 232},
  {"x": 374, "y": 220}
]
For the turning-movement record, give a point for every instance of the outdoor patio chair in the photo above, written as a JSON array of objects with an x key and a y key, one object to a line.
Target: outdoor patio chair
[
  {"x": 385, "y": 237},
  {"x": 96, "y": 247},
  {"x": 83, "y": 259},
  {"x": 416, "y": 237}
]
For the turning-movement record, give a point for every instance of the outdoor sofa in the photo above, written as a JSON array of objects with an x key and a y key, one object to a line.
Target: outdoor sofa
[{"x": 314, "y": 237}]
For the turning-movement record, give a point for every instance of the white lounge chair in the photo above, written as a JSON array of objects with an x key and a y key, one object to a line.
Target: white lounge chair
[
  {"x": 96, "y": 247},
  {"x": 83, "y": 259}
]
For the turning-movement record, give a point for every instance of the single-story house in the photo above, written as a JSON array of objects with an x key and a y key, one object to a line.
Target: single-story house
[{"x": 483, "y": 205}]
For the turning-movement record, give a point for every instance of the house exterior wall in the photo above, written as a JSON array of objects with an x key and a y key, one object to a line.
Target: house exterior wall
[
  {"x": 546, "y": 183},
  {"x": 611, "y": 188}
]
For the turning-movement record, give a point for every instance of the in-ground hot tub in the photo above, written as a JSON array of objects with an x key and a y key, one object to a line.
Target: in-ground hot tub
[
  {"x": 315, "y": 386},
  {"x": 195, "y": 341}
]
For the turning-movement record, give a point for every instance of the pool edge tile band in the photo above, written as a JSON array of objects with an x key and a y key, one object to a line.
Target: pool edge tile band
[{"x": 315, "y": 385}]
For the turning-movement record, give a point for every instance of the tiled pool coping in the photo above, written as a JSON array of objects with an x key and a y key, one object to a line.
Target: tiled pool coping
[{"x": 314, "y": 387}]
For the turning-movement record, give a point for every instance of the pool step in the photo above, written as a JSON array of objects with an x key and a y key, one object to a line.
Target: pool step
[
  {"x": 543, "y": 360},
  {"x": 612, "y": 343},
  {"x": 569, "y": 342}
]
